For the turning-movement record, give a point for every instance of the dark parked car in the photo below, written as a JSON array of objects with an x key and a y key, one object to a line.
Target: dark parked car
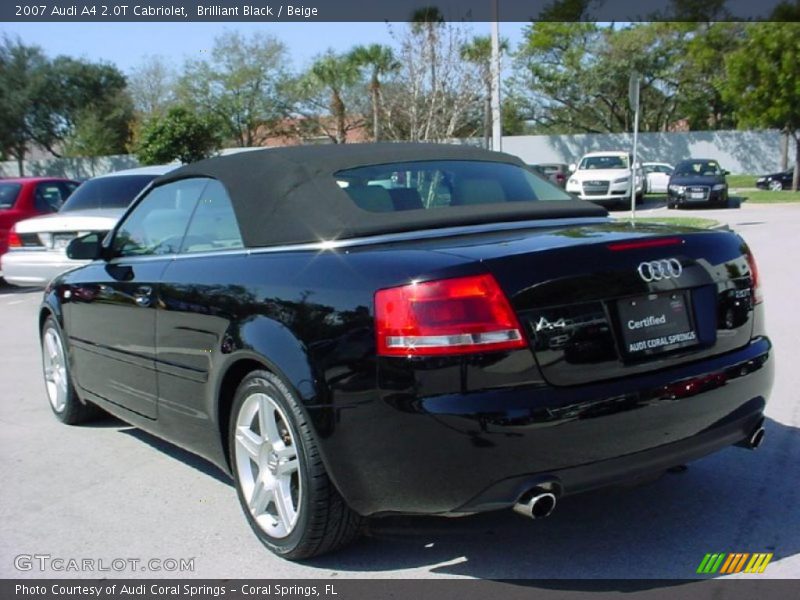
[
  {"x": 354, "y": 331},
  {"x": 695, "y": 182},
  {"x": 776, "y": 182},
  {"x": 555, "y": 172}
]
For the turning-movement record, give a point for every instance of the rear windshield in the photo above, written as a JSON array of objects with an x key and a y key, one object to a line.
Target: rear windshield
[
  {"x": 107, "y": 192},
  {"x": 444, "y": 183},
  {"x": 707, "y": 168},
  {"x": 604, "y": 162},
  {"x": 8, "y": 194}
]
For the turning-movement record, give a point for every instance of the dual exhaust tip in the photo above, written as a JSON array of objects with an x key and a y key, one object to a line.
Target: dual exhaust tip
[{"x": 538, "y": 503}]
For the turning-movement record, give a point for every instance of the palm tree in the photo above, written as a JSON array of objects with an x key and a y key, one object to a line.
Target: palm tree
[
  {"x": 380, "y": 59},
  {"x": 428, "y": 19},
  {"x": 336, "y": 73},
  {"x": 479, "y": 52}
]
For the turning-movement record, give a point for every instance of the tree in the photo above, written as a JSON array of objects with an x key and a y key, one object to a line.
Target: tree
[
  {"x": 240, "y": 84},
  {"x": 576, "y": 74},
  {"x": 333, "y": 74},
  {"x": 97, "y": 133},
  {"x": 179, "y": 134},
  {"x": 763, "y": 84},
  {"x": 701, "y": 76},
  {"x": 426, "y": 22},
  {"x": 434, "y": 95},
  {"x": 478, "y": 51},
  {"x": 72, "y": 88},
  {"x": 380, "y": 61},
  {"x": 42, "y": 101},
  {"x": 20, "y": 69},
  {"x": 152, "y": 87}
]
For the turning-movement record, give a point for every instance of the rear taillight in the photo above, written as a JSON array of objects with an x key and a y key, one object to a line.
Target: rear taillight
[
  {"x": 754, "y": 277},
  {"x": 14, "y": 240},
  {"x": 448, "y": 316}
]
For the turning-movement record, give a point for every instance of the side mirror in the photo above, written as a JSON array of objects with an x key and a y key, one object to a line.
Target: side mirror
[
  {"x": 572, "y": 167},
  {"x": 86, "y": 247},
  {"x": 726, "y": 172}
]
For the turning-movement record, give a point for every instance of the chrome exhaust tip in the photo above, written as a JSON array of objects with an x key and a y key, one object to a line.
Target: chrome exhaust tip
[
  {"x": 756, "y": 438},
  {"x": 536, "y": 505}
]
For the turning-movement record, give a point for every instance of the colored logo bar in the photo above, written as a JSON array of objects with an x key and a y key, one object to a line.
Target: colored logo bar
[{"x": 734, "y": 562}]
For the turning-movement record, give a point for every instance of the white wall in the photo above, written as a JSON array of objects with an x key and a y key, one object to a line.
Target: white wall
[{"x": 751, "y": 152}]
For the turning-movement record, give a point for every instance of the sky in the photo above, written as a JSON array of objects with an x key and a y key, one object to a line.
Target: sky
[{"x": 126, "y": 44}]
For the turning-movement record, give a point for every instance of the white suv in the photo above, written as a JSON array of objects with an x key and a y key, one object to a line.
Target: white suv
[{"x": 605, "y": 178}]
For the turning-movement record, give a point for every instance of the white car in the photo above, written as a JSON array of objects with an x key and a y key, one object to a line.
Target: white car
[
  {"x": 605, "y": 178},
  {"x": 39, "y": 251},
  {"x": 657, "y": 177}
]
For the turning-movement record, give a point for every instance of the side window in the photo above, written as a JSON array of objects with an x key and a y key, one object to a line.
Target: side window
[
  {"x": 213, "y": 225},
  {"x": 48, "y": 197},
  {"x": 157, "y": 224},
  {"x": 67, "y": 187}
]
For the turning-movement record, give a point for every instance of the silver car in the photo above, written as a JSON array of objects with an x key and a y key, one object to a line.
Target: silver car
[{"x": 96, "y": 205}]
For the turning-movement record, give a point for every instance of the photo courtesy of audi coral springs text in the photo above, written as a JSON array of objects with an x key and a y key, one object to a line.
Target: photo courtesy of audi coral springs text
[{"x": 362, "y": 330}]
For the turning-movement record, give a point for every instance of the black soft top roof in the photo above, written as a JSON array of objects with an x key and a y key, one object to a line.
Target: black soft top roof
[{"x": 290, "y": 195}]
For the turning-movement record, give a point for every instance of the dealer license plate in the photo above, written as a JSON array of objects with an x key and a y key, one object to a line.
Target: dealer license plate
[{"x": 656, "y": 323}]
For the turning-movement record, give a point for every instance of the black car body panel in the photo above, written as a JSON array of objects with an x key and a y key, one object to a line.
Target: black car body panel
[{"x": 161, "y": 342}]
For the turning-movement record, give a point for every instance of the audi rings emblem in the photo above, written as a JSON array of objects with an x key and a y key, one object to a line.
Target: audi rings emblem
[{"x": 656, "y": 270}]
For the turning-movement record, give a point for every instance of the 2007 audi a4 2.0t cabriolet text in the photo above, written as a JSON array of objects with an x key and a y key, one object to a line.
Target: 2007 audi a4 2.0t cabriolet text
[{"x": 376, "y": 329}]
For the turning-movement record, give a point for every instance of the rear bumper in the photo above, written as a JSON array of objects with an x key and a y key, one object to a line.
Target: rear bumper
[
  {"x": 481, "y": 451},
  {"x": 35, "y": 267},
  {"x": 624, "y": 469}
]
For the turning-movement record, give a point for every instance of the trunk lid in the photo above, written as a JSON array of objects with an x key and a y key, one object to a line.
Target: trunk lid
[
  {"x": 56, "y": 231},
  {"x": 80, "y": 220},
  {"x": 609, "y": 300}
]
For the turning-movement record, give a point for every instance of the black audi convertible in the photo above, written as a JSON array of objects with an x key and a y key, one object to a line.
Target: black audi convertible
[{"x": 356, "y": 331}]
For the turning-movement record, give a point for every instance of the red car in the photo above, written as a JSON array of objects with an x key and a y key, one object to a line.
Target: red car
[{"x": 28, "y": 197}]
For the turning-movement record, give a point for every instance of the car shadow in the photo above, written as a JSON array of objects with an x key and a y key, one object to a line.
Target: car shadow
[
  {"x": 732, "y": 501},
  {"x": 734, "y": 202},
  {"x": 8, "y": 289},
  {"x": 173, "y": 451}
]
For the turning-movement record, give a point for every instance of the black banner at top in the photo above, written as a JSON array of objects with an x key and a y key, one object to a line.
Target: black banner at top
[{"x": 397, "y": 10}]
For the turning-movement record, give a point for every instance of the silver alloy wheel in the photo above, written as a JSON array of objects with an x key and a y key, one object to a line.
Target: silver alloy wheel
[
  {"x": 775, "y": 186},
  {"x": 267, "y": 465},
  {"x": 55, "y": 369}
]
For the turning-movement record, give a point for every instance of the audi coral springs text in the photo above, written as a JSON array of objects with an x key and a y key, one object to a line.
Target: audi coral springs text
[{"x": 376, "y": 329}]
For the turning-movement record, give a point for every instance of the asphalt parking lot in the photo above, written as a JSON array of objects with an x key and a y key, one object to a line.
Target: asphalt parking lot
[{"x": 108, "y": 491}]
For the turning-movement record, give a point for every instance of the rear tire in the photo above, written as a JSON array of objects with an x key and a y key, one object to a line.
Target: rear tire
[
  {"x": 284, "y": 490},
  {"x": 64, "y": 401}
]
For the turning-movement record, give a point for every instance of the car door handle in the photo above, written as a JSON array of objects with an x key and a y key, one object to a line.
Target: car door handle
[{"x": 143, "y": 296}]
